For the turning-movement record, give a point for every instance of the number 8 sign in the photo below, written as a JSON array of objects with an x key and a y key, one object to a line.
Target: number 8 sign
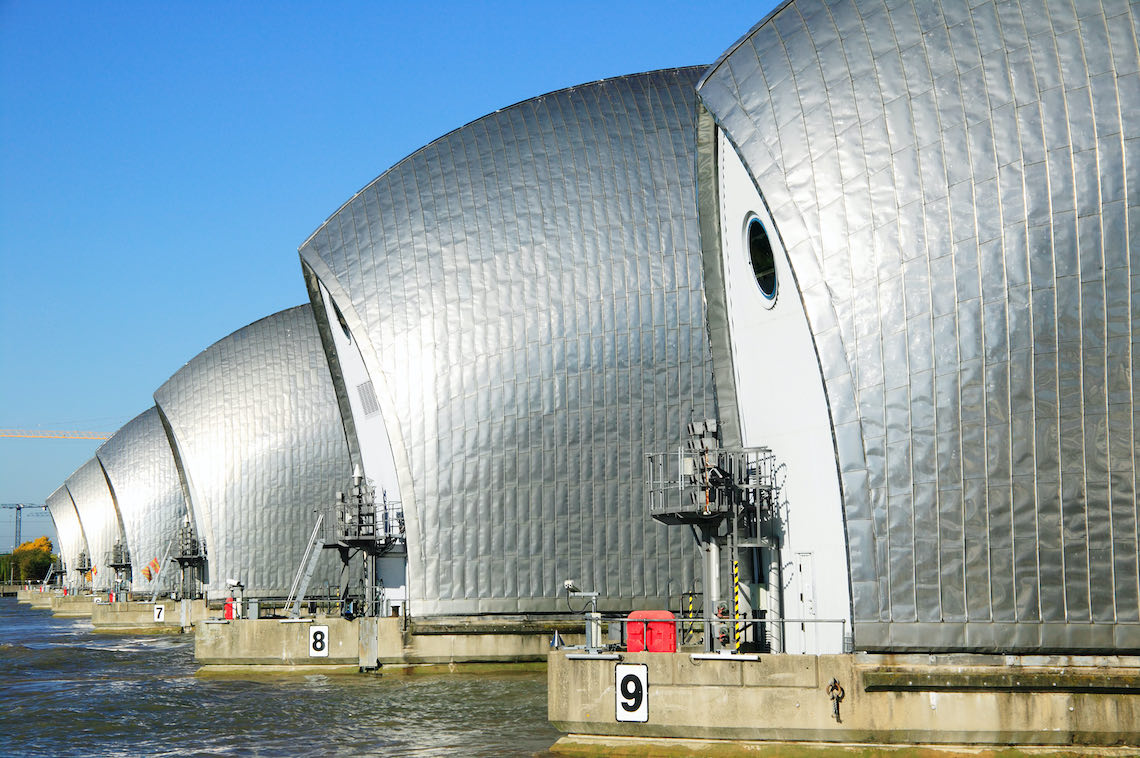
[
  {"x": 318, "y": 642},
  {"x": 631, "y": 683}
]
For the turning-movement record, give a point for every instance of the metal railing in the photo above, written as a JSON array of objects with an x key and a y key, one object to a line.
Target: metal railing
[
  {"x": 730, "y": 635},
  {"x": 323, "y": 601},
  {"x": 705, "y": 482},
  {"x": 382, "y": 522},
  {"x": 305, "y": 569}
]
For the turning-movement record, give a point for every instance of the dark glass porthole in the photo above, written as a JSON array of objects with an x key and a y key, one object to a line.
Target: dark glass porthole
[
  {"x": 763, "y": 260},
  {"x": 342, "y": 322}
]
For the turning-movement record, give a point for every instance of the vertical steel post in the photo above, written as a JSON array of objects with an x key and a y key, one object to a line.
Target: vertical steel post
[
  {"x": 775, "y": 596},
  {"x": 737, "y": 627},
  {"x": 711, "y": 580}
]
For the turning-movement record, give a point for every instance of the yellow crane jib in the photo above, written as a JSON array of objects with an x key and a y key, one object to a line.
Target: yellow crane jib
[{"x": 53, "y": 434}]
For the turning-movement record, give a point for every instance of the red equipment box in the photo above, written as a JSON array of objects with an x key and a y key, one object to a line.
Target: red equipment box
[{"x": 655, "y": 636}]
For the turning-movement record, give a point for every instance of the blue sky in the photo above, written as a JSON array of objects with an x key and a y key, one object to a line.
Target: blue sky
[{"x": 160, "y": 163}]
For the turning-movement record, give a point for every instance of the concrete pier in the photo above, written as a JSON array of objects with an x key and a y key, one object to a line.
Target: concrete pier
[
  {"x": 327, "y": 642},
  {"x": 982, "y": 701},
  {"x": 369, "y": 643},
  {"x": 41, "y": 601},
  {"x": 74, "y": 606},
  {"x": 144, "y": 617},
  {"x": 37, "y": 598},
  {"x": 467, "y": 640}
]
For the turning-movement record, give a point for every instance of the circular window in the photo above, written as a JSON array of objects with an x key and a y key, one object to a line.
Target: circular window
[
  {"x": 342, "y": 322},
  {"x": 763, "y": 260}
]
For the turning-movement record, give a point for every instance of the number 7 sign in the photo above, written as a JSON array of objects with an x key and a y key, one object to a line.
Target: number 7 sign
[{"x": 631, "y": 685}]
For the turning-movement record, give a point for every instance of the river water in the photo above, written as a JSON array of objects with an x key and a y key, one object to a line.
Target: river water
[{"x": 65, "y": 691}]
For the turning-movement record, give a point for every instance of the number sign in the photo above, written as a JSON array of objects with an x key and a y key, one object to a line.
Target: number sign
[
  {"x": 159, "y": 613},
  {"x": 318, "y": 642},
  {"x": 631, "y": 682}
]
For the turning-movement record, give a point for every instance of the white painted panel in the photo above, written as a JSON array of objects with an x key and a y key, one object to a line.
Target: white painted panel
[
  {"x": 782, "y": 405},
  {"x": 805, "y": 601},
  {"x": 375, "y": 448}
]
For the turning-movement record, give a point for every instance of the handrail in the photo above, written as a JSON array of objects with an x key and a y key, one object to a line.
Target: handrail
[
  {"x": 304, "y": 573},
  {"x": 681, "y": 624},
  {"x": 161, "y": 566}
]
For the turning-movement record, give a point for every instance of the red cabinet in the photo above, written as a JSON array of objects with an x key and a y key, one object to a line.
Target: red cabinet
[{"x": 651, "y": 631}]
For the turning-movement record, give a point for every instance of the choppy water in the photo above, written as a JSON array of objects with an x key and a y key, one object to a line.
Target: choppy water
[{"x": 67, "y": 691}]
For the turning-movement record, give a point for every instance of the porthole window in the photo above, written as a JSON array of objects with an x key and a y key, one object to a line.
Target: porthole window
[
  {"x": 342, "y": 322},
  {"x": 763, "y": 260}
]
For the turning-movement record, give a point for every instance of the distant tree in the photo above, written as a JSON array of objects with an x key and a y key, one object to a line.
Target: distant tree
[{"x": 33, "y": 559}]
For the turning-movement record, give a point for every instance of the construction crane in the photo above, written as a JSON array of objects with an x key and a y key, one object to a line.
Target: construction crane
[
  {"x": 19, "y": 508},
  {"x": 49, "y": 434},
  {"x": 52, "y": 434}
]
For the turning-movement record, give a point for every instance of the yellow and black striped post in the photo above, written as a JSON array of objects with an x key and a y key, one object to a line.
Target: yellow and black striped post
[
  {"x": 689, "y": 614},
  {"x": 737, "y": 626}
]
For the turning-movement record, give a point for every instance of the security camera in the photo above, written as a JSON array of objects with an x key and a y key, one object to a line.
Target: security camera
[
  {"x": 570, "y": 586},
  {"x": 233, "y": 583}
]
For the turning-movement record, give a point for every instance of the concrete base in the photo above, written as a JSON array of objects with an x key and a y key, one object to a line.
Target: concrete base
[
  {"x": 267, "y": 670},
  {"x": 590, "y": 746},
  {"x": 36, "y": 598},
  {"x": 139, "y": 617},
  {"x": 367, "y": 643},
  {"x": 74, "y": 606},
  {"x": 888, "y": 700},
  {"x": 474, "y": 641},
  {"x": 276, "y": 642}
]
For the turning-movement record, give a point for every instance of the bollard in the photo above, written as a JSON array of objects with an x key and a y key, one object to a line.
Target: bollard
[{"x": 593, "y": 631}]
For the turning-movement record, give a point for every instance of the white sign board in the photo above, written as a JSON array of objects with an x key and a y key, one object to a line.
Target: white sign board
[
  {"x": 318, "y": 642},
  {"x": 159, "y": 613},
  {"x": 631, "y": 685}
]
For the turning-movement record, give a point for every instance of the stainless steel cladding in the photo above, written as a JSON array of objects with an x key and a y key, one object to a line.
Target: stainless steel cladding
[
  {"x": 255, "y": 429},
  {"x": 956, "y": 187},
  {"x": 526, "y": 295},
  {"x": 144, "y": 483},
  {"x": 69, "y": 531},
  {"x": 100, "y": 520}
]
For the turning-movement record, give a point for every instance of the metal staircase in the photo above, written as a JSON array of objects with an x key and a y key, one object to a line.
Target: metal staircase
[
  {"x": 161, "y": 566},
  {"x": 730, "y": 497},
  {"x": 305, "y": 571},
  {"x": 191, "y": 559},
  {"x": 359, "y": 525}
]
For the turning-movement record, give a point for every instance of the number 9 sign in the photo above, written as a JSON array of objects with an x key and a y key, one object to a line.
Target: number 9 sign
[{"x": 631, "y": 684}]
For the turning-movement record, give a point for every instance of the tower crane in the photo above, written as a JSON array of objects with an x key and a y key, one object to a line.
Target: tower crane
[
  {"x": 19, "y": 508},
  {"x": 50, "y": 434}
]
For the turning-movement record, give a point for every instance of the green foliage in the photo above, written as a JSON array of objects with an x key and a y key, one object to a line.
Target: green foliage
[{"x": 32, "y": 559}]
